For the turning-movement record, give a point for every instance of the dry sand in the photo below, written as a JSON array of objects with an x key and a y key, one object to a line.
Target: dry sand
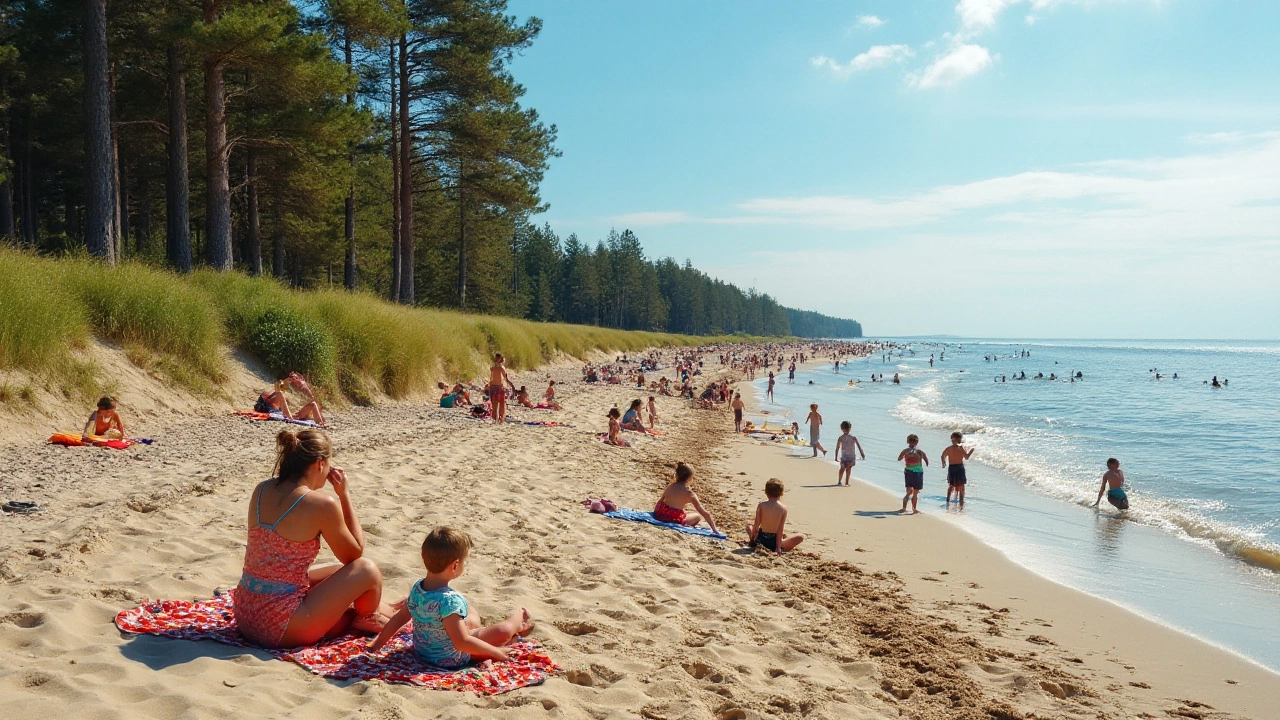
[{"x": 646, "y": 622}]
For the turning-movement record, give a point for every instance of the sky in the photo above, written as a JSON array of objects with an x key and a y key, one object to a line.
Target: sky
[{"x": 984, "y": 168}]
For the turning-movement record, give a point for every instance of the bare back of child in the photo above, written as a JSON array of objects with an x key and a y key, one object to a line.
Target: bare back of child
[{"x": 768, "y": 528}]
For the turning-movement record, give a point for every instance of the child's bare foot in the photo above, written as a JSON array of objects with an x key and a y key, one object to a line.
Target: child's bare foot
[{"x": 525, "y": 622}]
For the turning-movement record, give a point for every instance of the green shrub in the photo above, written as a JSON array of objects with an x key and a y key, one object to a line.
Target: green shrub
[{"x": 288, "y": 341}]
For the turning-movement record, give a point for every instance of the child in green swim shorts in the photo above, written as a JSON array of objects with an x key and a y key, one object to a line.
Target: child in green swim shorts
[{"x": 1113, "y": 486}]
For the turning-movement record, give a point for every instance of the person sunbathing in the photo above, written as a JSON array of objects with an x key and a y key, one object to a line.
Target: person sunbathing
[
  {"x": 522, "y": 397},
  {"x": 463, "y": 397},
  {"x": 550, "y": 402},
  {"x": 274, "y": 400},
  {"x": 104, "y": 421},
  {"x": 670, "y": 507},
  {"x": 615, "y": 429},
  {"x": 631, "y": 420},
  {"x": 281, "y": 600}
]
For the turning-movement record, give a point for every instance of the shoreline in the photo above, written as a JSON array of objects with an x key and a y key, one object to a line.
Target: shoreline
[{"x": 937, "y": 558}]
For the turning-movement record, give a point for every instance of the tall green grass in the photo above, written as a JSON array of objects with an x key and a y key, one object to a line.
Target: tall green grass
[{"x": 353, "y": 344}]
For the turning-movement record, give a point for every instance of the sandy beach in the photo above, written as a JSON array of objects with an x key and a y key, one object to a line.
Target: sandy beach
[{"x": 878, "y": 615}]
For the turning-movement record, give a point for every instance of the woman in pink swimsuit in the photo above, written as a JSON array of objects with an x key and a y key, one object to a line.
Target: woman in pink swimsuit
[{"x": 281, "y": 600}]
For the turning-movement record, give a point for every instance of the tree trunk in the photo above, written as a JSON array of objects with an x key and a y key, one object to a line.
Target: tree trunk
[
  {"x": 462, "y": 243},
  {"x": 253, "y": 254},
  {"x": 217, "y": 158},
  {"x": 349, "y": 267},
  {"x": 143, "y": 234},
  {"x": 6, "y": 188},
  {"x": 178, "y": 185},
  {"x": 97, "y": 101},
  {"x": 30, "y": 222},
  {"x": 277, "y": 244},
  {"x": 395, "y": 183},
  {"x": 119, "y": 196},
  {"x": 406, "y": 181}
]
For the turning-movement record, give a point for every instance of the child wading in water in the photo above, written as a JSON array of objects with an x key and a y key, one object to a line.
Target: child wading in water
[
  {"x": 445, "y": 632},
  {"x": 1113, "y": 477},
  {"x": 955, "y": 454},
  {"x": 846, "y": 444},
  {"x": 913, "y": 472},
  {"x": 815, "y": 422},
  {"x": 670, "y": 506},
  {"x": 104, "y": 421},
  {"x": 771, "y": 517}
]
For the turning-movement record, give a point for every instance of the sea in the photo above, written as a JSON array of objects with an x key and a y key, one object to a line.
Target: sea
[{"x": 1199, "y": 548}]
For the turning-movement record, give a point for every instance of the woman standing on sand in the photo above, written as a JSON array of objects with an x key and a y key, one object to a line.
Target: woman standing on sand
[{"x": 281, "y": 601}]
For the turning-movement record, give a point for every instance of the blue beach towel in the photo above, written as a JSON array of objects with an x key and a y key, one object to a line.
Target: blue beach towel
[{"x": 647, "y": 517}]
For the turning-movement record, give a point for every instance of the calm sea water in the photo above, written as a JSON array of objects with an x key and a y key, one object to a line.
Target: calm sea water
[{"x": 1200, "y": 547}]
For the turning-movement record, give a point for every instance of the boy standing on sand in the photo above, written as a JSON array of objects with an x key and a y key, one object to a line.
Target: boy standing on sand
[
  {"x": 955, "y": 454},
  {"x": 845, "y": 446},
  {"x": 815, "y": 422},
  {"x": 737, "y": 406},
  {"x": 497, "y": 392},
  {"x": 770, "y": 391},
  {"x": 913, "y": 472},
  {"x": 1114, "y": 477},
  {"x": 653, "y": 412}
]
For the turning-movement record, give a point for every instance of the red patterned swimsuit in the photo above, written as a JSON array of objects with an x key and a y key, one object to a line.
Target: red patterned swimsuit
[{"x": 274, "y": 581}]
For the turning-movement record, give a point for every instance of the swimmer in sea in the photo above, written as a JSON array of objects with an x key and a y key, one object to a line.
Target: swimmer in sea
[{"x": 1113, "y": 486}]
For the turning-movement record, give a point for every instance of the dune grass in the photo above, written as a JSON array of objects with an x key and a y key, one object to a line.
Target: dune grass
[{"x": 353, "y": 345}]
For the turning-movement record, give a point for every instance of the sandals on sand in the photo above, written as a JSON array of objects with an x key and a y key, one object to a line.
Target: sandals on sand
[{"x": 20, "y": 507}]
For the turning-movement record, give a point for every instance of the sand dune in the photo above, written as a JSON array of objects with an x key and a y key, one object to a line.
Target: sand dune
[{"x": 646, "y": 622}]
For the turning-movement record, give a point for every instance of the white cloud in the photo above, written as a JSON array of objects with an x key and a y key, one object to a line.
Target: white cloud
[
  {"x": 1234, "y": 193},
  {"x": 978, "y": 15},
  {"x": 961, "y": 62},
  {"x": 877, "y": 56},
  {"x": 869, "y": 21}
]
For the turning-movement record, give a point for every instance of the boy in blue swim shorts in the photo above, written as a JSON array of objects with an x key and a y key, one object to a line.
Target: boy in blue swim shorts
[
  {"x": 913, "y": 473},
  {"x": 1113, "y": 486}
]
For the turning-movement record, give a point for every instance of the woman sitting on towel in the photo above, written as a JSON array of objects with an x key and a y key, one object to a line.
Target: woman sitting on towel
[
  {"x": 670, "y": 507},
  {"x": 274, "y": 400},
  {"x": 281, "y": 600}
]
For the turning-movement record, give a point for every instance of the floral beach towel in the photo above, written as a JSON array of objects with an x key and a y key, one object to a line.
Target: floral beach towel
[{"x": 346, "y": 657}]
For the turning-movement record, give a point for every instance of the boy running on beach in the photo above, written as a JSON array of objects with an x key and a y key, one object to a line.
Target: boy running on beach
[
  {"x": 845, "y": 446},
  {"x": 955, "y": 454},
  {"x": 913, "y": 472},
  {"x": 737, "y": 406},
  {"x": 445, "y": 631},
  {"x": 497, "y": 391},
  {"x": 771, "y": 517},
  {"x": 1113, "y": 477}
]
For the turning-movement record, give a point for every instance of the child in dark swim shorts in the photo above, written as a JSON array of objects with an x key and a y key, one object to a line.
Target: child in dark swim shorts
[{"x": 913, "y": 472}]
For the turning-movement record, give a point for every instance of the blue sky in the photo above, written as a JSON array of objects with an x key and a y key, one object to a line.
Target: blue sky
[{"x": 1034, "y": 168}]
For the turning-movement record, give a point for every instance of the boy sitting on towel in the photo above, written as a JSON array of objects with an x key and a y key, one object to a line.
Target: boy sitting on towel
[
  {"x": 445, "y": 632},
  {"x": 104, "y": 421}
]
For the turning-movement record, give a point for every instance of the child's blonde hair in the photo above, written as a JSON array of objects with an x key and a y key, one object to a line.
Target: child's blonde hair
[
  {"x": 443, "y": 547},
  {"x": 774, "y": 488}
]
